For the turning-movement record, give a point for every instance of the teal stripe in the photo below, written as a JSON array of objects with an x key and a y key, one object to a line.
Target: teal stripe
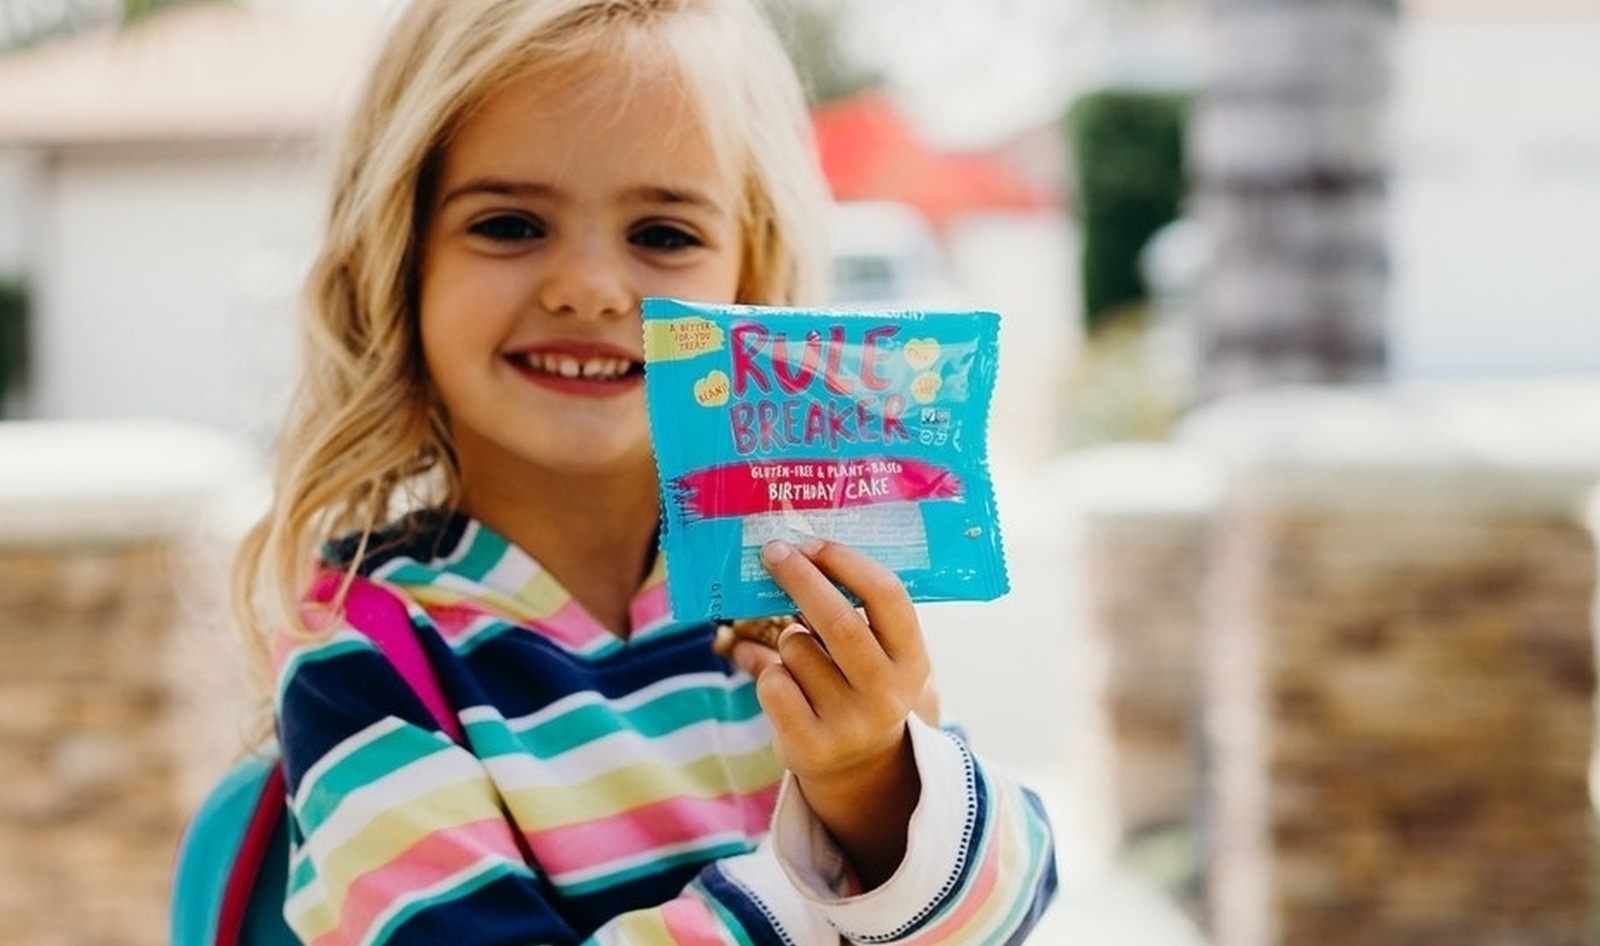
[
  {"x": 656, "y": 865},
  {"x": 363, "y": 766},
  {"x": 491, "y": 738},
  {"x": 726, "y": 920},
  {"x": 659, "y": 717},
  {"x": 467, "y": 643},
  {"x": 301, "y": 874},
  {"x": 1037, "y": 846},
  {"x": 481, "y": 557},
  {"x": 408, "y": 572}
]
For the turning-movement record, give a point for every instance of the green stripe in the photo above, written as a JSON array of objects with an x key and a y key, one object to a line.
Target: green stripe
[{"x": 362, "y": 767}]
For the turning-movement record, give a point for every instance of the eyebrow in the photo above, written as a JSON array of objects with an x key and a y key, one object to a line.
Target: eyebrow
[{"x": 525, "y": 190}]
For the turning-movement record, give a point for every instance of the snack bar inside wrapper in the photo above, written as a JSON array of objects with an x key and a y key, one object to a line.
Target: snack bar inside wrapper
[{"x": 864, "y": 427}]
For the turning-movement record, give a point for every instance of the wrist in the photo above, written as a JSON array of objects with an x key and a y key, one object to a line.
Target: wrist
[{"x": 866, "y": 808}]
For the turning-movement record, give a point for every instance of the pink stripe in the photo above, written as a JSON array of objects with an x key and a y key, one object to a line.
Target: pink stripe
[
  {"x": 571, "y": 627},
  {"x": 675, "y": 821},
  {"x": 455, "y": 620},
  {"x": 650, "y": 607},
  {"x": 425, "y": 863},
  {"x": 689, "y": 922},
  {"x": 975, "y": 899}
]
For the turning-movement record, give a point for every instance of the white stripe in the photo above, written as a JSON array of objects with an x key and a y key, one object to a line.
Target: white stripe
[
  {"x": 510, "y": 574},
  {"x": 628, "y": 748},
  {"x": 469, "y": 537},
  {"x": 339, "y": 753},
  {"x": 456, "y": 582},
  {"x": 398, "y": 787},
  {"x": 629, "y": 701}
]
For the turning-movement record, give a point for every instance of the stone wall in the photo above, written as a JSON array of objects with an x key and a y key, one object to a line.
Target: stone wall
[
  {"x": 108, "y": 645},
  {"x": 1350, "y": 656},
  {"x": 1398, "y": 667},
  {"x": 1403, "y": 711}
]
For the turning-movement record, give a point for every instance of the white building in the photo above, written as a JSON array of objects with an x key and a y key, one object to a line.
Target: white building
[
  {"x": 1495, "y": 210},
  {"x": 160, "y": 190}
]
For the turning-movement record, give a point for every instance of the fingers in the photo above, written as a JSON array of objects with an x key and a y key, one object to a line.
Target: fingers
[
  {"x": 811, "y": 579},
  {"x": 751, "y": 657}
]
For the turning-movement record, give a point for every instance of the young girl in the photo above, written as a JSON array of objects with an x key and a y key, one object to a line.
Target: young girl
[{"x": 470, "y": 436}]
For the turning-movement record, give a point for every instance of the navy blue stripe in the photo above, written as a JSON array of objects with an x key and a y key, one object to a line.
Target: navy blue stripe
[
  {"x": 504, "y": 910},
  {"x": 329, "y": 700},
  {"x": 588, "y": 912},
  {"x": 761, "y": 925},
  {"x": 423, "y": 536},
  {"x": 522, "y": 672}
]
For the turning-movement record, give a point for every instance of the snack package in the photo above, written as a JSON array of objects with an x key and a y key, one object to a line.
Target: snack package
[{"x": 864, "y": 427}]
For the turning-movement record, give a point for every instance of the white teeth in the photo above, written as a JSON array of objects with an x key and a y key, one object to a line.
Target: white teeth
[
  {"x": 568, "y": 366},
  {"x": 604, "y": 368}
]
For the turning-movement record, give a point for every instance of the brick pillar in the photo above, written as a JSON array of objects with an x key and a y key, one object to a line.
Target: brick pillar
[
  {"x": 95, "y": 744},
  {"x": 1399, "y": 667},
  {"x": 1289, "y": 156},
  {"x": 1145, "y": 512}
]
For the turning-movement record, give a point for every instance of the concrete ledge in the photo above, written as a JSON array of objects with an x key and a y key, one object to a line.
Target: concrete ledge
[
  {"x": 1516, "y": 446},
  {"x": 113, "y": 482},
  {"x": 1139, "y": 482}
]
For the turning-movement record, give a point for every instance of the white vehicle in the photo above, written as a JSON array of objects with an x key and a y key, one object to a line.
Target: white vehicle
[{"x": 887, "y": 254}]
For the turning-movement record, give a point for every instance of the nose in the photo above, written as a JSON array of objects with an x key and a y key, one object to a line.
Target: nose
[{"x": 587, "y": 279}]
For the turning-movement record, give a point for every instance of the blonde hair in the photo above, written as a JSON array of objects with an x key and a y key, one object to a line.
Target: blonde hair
[{"x": 366, "y": 437}]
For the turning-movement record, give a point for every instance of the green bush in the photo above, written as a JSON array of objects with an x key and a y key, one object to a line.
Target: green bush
[
  {"x": 1127, "y": 148},
  {"x": 13, "y": 338}
]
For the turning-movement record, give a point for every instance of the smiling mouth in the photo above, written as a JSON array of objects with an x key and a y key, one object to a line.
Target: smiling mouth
[{"x": 573, "y": 367}]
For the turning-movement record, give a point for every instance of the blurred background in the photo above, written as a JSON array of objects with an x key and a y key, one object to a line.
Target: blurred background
[{"x": 1295, "y": 437}]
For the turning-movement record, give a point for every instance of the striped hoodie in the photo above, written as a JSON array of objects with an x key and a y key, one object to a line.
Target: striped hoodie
[{"x": 637, "y": 776}]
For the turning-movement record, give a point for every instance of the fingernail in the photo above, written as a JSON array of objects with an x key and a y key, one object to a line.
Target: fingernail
[
  {"x": 776, "y": 551},
  {"x": 811, "y": 546}
]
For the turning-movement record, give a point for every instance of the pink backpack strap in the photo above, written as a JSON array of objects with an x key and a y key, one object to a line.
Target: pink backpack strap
[
  {"x": 379, "y": 613},
  {"x": 382, "y": 617}
]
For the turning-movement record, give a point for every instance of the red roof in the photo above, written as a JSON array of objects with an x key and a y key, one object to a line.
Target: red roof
[{"x": 869, "y": 152}]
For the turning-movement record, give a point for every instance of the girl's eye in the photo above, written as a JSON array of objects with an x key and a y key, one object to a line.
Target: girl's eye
[
  {"x": 508, "y": 228},
  {"x": 663, "y": 236}
]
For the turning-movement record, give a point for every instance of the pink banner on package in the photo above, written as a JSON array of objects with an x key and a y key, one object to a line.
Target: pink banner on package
[{"x": 742, "y": 489}]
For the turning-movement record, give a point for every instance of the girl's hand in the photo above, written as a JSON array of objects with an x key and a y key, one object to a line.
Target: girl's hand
[
  {"x": 753, "y": 656},
  {"x": 839, "y": 695}
]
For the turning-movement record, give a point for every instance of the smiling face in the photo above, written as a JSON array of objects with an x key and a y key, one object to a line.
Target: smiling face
[{"x": 557, "y": 207}]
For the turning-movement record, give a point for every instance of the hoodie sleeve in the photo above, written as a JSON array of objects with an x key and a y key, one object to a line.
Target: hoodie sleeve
[{"x": 979, "y": 867}]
